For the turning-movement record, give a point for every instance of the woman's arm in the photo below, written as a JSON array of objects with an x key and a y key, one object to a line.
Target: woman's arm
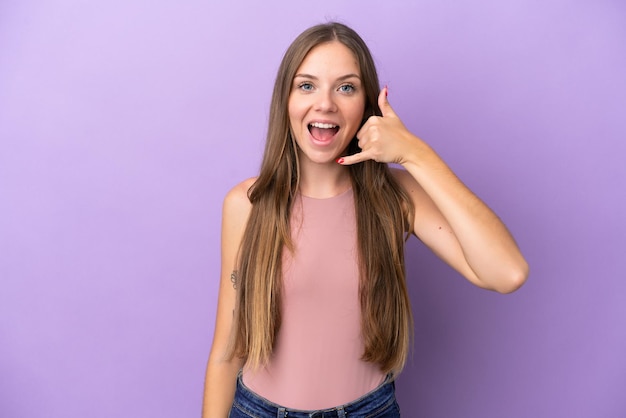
[
  {"x": 221, "y": 374},
  {"x": 449, "y": 218},
  {"x": 458, "y": 227}
]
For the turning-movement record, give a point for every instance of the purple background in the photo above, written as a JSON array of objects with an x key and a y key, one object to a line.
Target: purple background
[{"x": 123, "y": 124}]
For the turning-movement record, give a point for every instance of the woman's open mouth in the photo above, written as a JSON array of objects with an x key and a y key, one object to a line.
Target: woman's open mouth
[{"x": 323, "y": 133}]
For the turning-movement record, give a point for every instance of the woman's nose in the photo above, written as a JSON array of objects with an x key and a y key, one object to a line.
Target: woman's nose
[{"x": 325, "y": 101}]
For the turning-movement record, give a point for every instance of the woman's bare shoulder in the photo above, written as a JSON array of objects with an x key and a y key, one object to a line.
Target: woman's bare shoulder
[
  {"x": 405, "y": 180},
  {"x": 236, "y": 202},
  {"x": 240, "y": 190}
]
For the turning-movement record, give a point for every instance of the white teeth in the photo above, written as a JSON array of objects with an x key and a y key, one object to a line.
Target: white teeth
[{"x": 323, "y": 125}]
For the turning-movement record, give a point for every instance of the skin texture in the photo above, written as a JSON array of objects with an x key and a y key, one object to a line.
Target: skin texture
[{"x": 450, "y": 219}]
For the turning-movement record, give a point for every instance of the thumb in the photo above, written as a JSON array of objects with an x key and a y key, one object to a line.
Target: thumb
[{"x": 383, "y": 103}]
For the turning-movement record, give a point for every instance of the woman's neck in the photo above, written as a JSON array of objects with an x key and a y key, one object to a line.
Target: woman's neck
[{"x": 323, "y": 180}]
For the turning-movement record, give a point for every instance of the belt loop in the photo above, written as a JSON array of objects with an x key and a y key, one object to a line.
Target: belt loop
[
  {"x": 282, "y": 413},
  {"x": 340, "y": 412}
]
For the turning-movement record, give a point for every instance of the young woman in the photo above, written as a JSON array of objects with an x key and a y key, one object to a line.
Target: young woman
[{"x": 313, "y": 313}]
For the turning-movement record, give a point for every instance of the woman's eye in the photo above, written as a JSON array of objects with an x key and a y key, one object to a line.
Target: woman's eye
[
  {"x": 305, "y": 86},
  {"x": 346, "y": 88}
]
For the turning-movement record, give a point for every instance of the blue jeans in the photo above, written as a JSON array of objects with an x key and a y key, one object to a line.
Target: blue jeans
[{"x": 379, "y": 403}]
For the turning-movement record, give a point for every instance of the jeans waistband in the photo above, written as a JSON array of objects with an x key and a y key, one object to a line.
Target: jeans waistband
[{"x": 251, "y": 402}]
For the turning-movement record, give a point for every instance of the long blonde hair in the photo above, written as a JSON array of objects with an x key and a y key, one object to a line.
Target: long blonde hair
[{"x": 383, "y": 214}]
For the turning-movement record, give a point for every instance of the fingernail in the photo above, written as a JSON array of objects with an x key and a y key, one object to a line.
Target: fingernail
[
  {"x": 340, "y": 160},
  {"x": 386, "y": 90}
]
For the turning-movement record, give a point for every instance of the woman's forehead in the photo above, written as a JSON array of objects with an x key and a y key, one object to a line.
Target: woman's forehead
[{"x": 329, "y": 58}]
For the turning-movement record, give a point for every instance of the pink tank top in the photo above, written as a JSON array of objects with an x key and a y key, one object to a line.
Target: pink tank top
[{"x": 316, "y": 362}]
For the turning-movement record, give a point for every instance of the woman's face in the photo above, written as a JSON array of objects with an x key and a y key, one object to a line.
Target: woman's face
[{"x": 326, "y": 102}]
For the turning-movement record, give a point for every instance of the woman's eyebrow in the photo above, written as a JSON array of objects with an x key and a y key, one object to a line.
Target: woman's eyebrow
[{"x": 343, "y": 77}]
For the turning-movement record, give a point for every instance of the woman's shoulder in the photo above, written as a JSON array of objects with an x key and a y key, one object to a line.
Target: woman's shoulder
[
  {"x": 403, "y": 177},
  {"x": 406, "y": 181},
  {"x": 240, "y": 190},
  {"x": 236, "y": 201}
]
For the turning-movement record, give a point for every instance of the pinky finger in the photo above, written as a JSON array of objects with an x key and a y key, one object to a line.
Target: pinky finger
[{"x": 353, "y": 159}]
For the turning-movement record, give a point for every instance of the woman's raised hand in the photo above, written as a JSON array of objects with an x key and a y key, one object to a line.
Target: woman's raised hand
[{"x": 383, "y": 138}]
